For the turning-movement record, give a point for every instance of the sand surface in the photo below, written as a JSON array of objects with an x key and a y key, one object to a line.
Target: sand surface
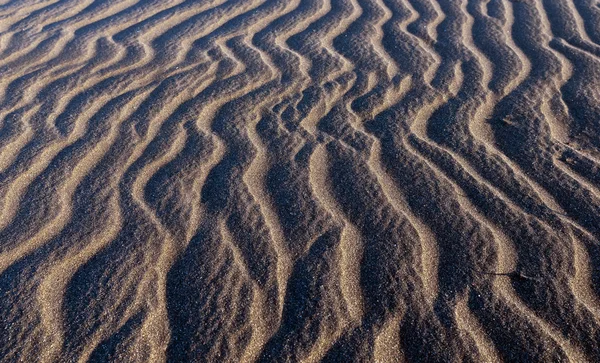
[{"x": 299, "y": 180}]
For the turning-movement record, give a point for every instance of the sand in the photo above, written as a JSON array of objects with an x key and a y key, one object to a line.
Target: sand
[{"x": 300, "y": 181}]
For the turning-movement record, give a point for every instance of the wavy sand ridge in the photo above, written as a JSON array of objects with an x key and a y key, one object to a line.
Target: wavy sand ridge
[{"x": 307, "y": 180}]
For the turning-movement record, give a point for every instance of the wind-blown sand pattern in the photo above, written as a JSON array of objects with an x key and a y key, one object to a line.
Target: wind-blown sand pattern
[{"x": 299, "y": 180}]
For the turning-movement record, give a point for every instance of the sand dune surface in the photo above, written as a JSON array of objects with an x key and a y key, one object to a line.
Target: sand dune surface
[{"x": 299, "y": 181}]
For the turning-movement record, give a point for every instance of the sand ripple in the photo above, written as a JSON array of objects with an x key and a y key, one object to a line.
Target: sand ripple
[{"x": 299, "y": 180}]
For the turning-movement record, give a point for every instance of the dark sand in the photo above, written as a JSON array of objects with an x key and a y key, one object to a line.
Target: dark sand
[{"x": 300, "y": 181}]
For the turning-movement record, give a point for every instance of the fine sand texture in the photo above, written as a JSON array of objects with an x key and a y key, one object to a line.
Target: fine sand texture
[{"x": 300, "y": 181}]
